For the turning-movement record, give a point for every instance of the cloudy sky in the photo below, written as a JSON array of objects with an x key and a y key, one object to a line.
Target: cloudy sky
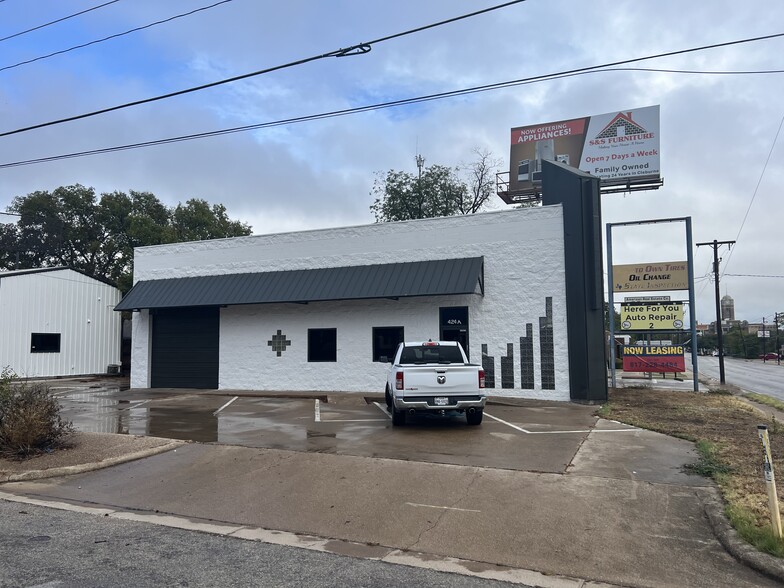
[{"x": 720, "y": 158}]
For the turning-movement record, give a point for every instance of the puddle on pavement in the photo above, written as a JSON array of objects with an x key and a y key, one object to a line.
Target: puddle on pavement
[{"x": 251, "y": 422}]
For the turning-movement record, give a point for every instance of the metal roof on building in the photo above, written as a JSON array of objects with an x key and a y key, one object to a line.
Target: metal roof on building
[
  {"x": 392, "y": 280},
  {"x": 58, "y": 268}
]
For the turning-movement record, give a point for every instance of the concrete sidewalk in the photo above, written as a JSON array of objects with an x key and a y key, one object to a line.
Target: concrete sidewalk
[{"x": 624, "y": 513}]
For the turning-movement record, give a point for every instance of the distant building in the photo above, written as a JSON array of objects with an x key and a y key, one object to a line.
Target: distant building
[
  {"x": 57, "y": 322},
  {"x": 727, "y": 308}
]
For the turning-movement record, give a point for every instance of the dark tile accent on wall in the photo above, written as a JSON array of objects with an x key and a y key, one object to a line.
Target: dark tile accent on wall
[
  {"x": 488, "y": 364},
  {"x": 507, "y": 367},
  {"x": 547, "y": 346},
  {"x": 279, "y": 343},
  {"x": 527, "y": 358}
]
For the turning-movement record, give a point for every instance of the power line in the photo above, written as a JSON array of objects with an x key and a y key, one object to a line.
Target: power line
[
  {"x": 20, "y": 33},
  {"x": 358, "y": 49},
  {"x": 147, "y": 26},
  {"x": 324, "y": 115},
  {"x": 754, "y": 276},
  {"x": 756, "y": 188}
]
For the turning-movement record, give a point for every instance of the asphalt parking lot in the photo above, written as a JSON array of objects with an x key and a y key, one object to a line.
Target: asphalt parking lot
[
  {"x": 515, "y": 434},
  {"x": 543, "y": 488}
]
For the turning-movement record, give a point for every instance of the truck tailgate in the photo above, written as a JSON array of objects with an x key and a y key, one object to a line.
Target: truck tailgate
[{"x": 442, "y": 379}]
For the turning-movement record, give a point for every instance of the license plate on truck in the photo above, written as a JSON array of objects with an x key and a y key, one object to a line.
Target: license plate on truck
[{"x": 441, "y": 400}]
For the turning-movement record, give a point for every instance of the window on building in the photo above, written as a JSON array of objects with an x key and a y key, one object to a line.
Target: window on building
[
  {"x": 385, "y": 342},
  {"x": 45, "y": 343},
  {"x": 322, "y": 344}
]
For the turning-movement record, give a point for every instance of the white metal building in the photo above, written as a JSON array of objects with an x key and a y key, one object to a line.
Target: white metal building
[
  {"x": 57, "y": 322},
  {"x": 319, "y": 310}
]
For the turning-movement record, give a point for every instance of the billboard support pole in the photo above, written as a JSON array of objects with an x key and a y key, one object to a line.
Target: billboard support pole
[
  {"x": 611, "y": 303},
  {"x": 692, "y": 309}
]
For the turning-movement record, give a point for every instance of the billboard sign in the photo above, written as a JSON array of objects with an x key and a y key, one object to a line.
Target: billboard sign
[
  {"x": 654, "y": 358},
  {"x": 763, "y": 334},
  {"x": 652, "y": 317},
  {"x": 642, "y": 277},
  {"x": 617, "y": 147}
]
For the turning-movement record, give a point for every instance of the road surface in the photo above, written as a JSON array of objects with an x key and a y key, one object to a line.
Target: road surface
[{"x": 752, "y": 375}]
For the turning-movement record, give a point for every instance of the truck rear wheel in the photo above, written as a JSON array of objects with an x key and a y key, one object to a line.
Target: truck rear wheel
[
  {"x": 398, "y": 417},
  {"x": 388, "y": 398},
  {"x": 475, "y": 418}
]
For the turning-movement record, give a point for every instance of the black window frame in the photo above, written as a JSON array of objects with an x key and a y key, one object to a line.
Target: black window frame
[
  {"x": 318, "y": 352},
  {"x": 45, "y": 342},
  {"x": 389, "y": 351}
]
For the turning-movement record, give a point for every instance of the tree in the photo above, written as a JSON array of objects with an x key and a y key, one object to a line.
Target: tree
[
  {"x": 70, "y": 227},
  {"x": 436, "y": 191},
  {"x": 481, "y": 181}
]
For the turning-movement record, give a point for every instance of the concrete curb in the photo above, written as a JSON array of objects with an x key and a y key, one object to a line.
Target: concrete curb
[
  {"x": 88, "y": 467},
  {"x": 764, "y": 563},
  {"x": 392, "y": 555}
]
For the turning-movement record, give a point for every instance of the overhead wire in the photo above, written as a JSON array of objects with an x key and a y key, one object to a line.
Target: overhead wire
[
  {"x": 357, "y": 49},
  {"x": 20, "y": 33},
  {"x": 756, "y": 189},
  {"x": 324, "y": 115},
  {"x": 128, "y": 32},
  {"x": 755, "y": 275},
  {"x": 748, "y": 209}
]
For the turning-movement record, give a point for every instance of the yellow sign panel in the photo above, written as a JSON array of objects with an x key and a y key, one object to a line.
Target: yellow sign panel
[
  {"x": 652, "y": 317},
  {"x": 643, "y": 277}
]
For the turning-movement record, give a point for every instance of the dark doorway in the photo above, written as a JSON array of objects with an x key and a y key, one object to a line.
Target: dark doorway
[
  {"x": 454, "y": 325},
  {"x": 185, "y": 348}
]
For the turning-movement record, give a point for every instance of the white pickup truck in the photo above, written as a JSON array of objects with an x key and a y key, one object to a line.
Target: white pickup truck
[{"x": 434, "y": 377}]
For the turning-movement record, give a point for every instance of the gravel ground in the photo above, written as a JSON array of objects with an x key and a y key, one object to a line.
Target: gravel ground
[{"x": 87, "y": 449}]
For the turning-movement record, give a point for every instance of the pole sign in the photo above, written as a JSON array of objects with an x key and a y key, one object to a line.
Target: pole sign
[
  {"x": 653, "y": 358},
  {"x": 763, "y": 334},
  {"x": 642, "y": 277},
  {"x": 652, "y": 317}
]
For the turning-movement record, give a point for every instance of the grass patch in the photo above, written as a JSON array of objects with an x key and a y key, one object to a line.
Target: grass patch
[
  {"x": 724, "y": 428},
  {"x": 766, "y": 400},
  {"x": 762, "y": 538},
  {"x": 709, "y": 464}
]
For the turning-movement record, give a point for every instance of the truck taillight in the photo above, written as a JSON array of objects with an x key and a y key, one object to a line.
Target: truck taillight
[
  {"x": 399, "y": 380},
  {"x": 481, "y": 379}
]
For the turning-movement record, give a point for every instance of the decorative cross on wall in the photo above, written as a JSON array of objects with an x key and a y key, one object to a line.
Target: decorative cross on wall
[{"x": 279, "y": 343}]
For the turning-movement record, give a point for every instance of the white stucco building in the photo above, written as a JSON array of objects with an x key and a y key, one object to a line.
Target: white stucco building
[
  {"x": 318, "y": 310},
  {"x": 57, "y": 322}
]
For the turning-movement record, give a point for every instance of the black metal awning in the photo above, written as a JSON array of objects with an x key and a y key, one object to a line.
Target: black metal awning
[{"x": 391, "y": 280}]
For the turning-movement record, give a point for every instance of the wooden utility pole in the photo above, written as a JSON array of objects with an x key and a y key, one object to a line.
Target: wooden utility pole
[{"x": 719, "y": 334}]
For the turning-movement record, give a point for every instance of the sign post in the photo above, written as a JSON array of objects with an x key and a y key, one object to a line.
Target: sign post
[
  {"x": 653, "y": 313},
  {"x": 770, "y": 480}
]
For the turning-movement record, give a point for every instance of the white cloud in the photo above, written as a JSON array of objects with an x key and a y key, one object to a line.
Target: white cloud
[{"x": 716, "y": 131}]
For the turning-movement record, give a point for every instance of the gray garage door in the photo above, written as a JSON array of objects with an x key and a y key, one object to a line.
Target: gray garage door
[{"x": 185, "y": 348}]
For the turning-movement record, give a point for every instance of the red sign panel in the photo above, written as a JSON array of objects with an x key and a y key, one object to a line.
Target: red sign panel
[{"x": 653, "y": 358}]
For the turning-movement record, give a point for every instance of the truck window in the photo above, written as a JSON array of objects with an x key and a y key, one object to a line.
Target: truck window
[{"x": 440, "y": 354}]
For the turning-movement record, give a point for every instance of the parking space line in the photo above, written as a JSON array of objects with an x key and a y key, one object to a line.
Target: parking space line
[
  {"x": 225, "y": 405},
  {"x": 320, "y": 420},
  {"x": 505, "y": 423},
  {"x": 383, "y": 409},
  {"x": 442, "y": 507},
  {"x": 560, "y": 432}
]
